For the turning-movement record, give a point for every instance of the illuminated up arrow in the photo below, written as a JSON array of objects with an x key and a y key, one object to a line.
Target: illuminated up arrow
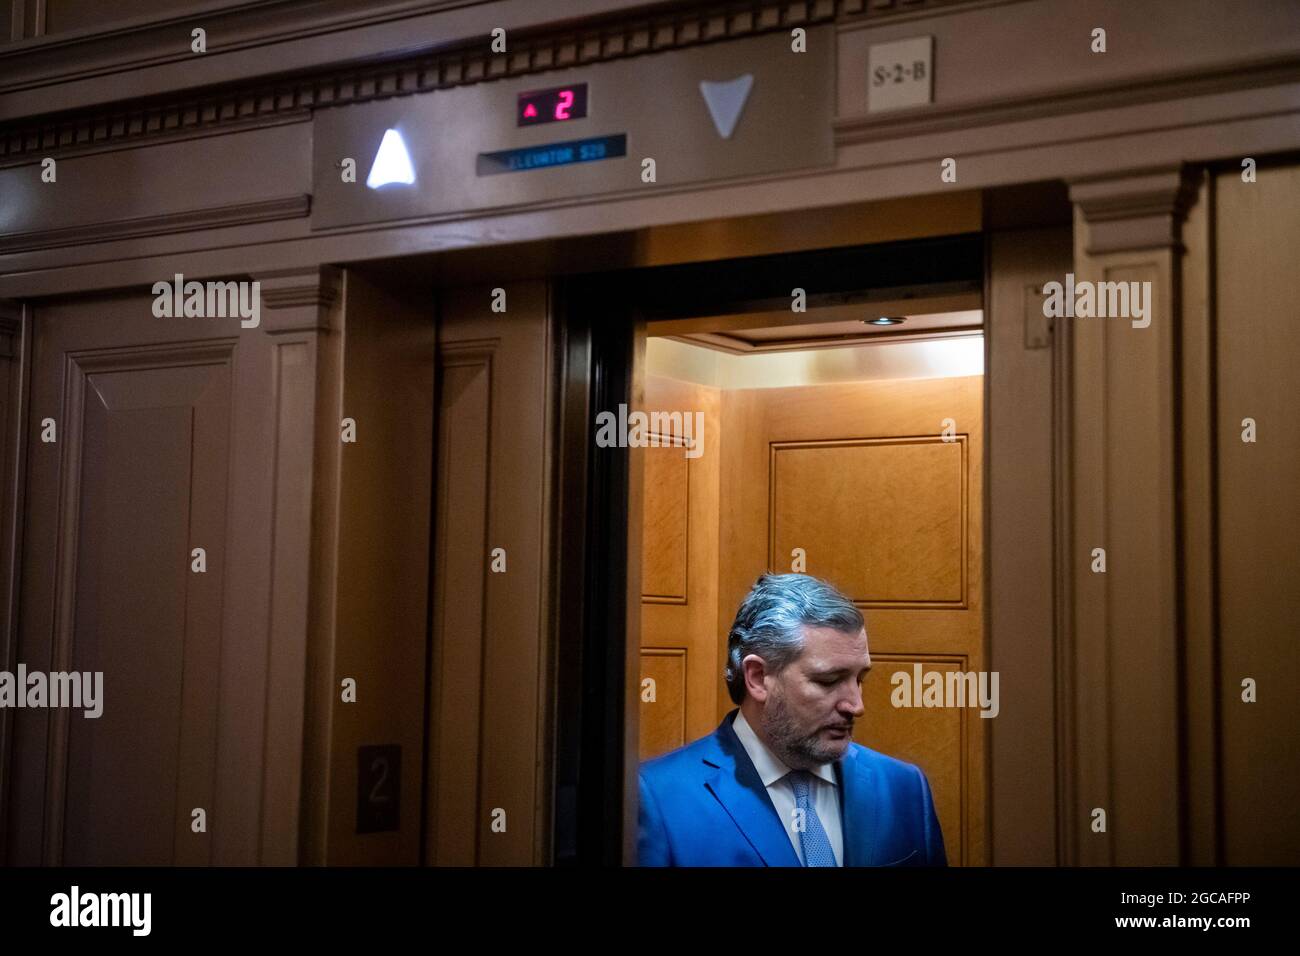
[{"x": 392, "y": 162}]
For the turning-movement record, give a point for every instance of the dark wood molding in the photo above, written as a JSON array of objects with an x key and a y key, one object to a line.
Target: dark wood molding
[
  {"x": 468, "y": 61},
  {"x": 212, "y": 217},
  {"x": 15, "y": 319},
  {"x": 1063, "y": 637},
  {"x": 1143, "y": 209},
  {"x": 300, "y": 300},
  {"x": 1133, "y": 91},
  {"x": 457, "y": 62}
]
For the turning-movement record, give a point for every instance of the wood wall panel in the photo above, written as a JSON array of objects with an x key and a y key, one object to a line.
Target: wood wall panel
[
  {"x": 1124, "y": 623},
  {"x": 303, "y": 317},
  {"x": 1199, "y": 585},
  {"x": 1140, "y": 578},
  {"x": 1258, "y": 353},
  {"x": 165, "y": 444},
  {"x": 935, "y": 737},
  {"x": 489, "y": 714},
  {"x": 62, "y": 16},
  {"x": 1025, "y": 381},
  {"x": 679, "y": 548},
  {"x": 1199, "y": 527},
  {"x": 902, "y": 504},
  {"x": 457, "y": 666},
  {"x": 663, "y": 720},
  {"x": 383, "y": 492},
  {"x": 330, "y": 578},
  {"x": 15, "y": 337},
  {"x": 149, "y": 485},
  {"x": 824, "y": 425},
  {"x": 665, "y": 562},
  {"x": 294, "y": 360}
]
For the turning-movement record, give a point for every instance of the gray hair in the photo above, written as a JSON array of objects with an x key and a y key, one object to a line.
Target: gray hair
[{"x": 771, "y": 620}]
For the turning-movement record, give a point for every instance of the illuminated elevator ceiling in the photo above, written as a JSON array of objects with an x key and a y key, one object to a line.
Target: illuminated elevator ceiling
[
  {"x": 906, "y": 358},
  {"x": 924, "y": 358}
]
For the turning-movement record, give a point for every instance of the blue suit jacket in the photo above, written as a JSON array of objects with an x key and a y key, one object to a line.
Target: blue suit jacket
[{"x": 705, "y": 805}]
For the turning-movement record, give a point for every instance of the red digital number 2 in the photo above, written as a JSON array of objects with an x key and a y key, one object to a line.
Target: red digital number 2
[{"x": 562, "y": 107}]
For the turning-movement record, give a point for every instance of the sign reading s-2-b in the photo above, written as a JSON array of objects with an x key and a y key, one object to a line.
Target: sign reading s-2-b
[{"x": 715, "y": 111}]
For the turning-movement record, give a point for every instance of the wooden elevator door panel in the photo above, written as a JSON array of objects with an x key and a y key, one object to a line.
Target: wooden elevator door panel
[
  {"x": 143, "y": 411},
  {"x": 487, "y": 802},
  {"x": 859, "y": 477}
]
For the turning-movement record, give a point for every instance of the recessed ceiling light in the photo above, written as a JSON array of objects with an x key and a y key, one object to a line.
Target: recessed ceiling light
[{"x": 886, "y": 320}]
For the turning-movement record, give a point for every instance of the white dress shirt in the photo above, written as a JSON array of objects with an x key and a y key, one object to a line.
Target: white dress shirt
[{"x": 773, "y": 773}]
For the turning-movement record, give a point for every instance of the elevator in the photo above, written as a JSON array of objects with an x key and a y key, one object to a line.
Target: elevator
[
  {"x": 365, "y": 579},
  {"x": 630, "y": 597}
]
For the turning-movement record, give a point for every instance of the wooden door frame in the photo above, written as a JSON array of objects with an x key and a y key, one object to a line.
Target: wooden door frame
[
  {"x": 1026, "y": 548},
  {"x": 600, "y": 344},
  {"x": 599, "y": 529},
  {"x": 15, "y": 350}
]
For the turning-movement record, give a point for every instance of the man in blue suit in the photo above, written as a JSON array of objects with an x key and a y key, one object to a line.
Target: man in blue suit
[{"x": 781, "y": 782}]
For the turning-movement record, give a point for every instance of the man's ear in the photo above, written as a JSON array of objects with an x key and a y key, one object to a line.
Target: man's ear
[{"x": 755, "y": 670}]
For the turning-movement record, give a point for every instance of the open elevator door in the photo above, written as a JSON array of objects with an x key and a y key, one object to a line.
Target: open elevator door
[{"x": 934, "y": 619}]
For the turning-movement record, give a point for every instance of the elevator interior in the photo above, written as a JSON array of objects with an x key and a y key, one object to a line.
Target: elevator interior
[{"x": 836, "y": 399}]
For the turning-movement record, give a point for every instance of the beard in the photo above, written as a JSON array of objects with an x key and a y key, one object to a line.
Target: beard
[{"x": 798, "y": 750}]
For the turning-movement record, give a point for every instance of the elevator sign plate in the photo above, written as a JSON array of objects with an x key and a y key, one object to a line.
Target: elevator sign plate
[
  {"x": 552, "y": 154},
  {"x": 709, "y": 112},
  {"x": 900, "y": 74}
]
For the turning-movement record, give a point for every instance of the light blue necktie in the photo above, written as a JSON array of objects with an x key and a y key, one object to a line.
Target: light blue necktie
[{"x": 814, "y": 841}]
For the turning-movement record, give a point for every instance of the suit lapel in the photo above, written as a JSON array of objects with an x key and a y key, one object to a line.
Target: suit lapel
[
  {"x": 732, "y": 779},
  {"x": 858, "y": 818}
]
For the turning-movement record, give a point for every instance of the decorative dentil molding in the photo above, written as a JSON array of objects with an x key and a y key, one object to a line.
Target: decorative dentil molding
[{"x": 277, "y": 99}]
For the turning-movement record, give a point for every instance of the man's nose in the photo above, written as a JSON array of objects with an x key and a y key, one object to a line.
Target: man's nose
[{"x": 852, "y": 705}]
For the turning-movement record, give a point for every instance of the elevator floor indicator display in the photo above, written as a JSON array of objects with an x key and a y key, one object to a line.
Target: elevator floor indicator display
[
  {"x": 705, "y": 112},
  {"x": 551, "y": 106},
  {"x": 552, "y": 154}
]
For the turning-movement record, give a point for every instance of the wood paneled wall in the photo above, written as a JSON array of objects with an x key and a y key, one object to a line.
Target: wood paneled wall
[
  {"x": 1025, "y": 378},
  {"x": 1200, "y": 528},
  {"x": 859, "y": 477},
  {"x": 1125, "y": 624},
  {"x": 373, "y": 523},
  {"x": 1256, "y": 375},
  {"x": 172, "y": 435},
  {"x": 489, "y": 721},
  {"x": 679, "y": 576},
  {"x": 21, "y": 19}
]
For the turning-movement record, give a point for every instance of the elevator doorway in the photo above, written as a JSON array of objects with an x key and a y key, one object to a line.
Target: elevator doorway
[
  {"x": 564, "y": 571},
  {"x": 841, "y": 439}
]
